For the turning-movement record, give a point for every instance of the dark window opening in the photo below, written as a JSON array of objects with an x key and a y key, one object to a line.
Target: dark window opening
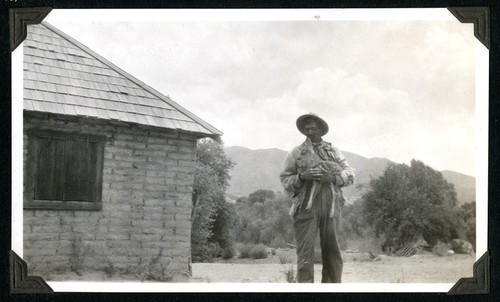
[{"x": 64, "y": 170}]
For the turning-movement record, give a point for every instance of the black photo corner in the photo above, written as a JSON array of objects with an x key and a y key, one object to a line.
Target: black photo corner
[{"x": 18, "y": 284}]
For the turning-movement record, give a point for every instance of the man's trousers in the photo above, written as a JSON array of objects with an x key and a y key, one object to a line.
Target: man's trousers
[{"x": 306, "y": 225}]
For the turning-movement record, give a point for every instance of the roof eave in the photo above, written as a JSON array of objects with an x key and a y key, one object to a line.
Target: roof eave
[
  {"x": 210, "y": 129},
  {"x": 199, "y": 135}
]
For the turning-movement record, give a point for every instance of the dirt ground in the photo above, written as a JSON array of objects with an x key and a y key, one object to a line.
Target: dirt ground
[{"x": 358, "y": 268}]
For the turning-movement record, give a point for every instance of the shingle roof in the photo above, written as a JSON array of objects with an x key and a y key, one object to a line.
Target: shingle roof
[{"x": 63, "y": 76}]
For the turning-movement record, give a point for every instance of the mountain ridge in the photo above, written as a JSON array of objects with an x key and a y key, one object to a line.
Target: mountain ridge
[{"x": 260, "y": 168}]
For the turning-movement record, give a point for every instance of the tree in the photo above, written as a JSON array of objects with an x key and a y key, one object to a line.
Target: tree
[
  {"x": 263, "y": 217},
  {"x": 211, "y": 216},
  {"x": 354, "y": 226},
  {"x": 469, "y": 221},
  {"x": 407, "y": 202},
  {"x": 222, "y": 227},
  {"x": 261, "y": 196}
]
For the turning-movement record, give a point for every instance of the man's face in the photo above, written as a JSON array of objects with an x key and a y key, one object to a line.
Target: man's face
[{"x": 312, "y": 130}]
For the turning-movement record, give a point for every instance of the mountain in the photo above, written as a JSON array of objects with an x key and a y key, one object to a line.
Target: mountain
[
  {"x": 254, "y": 170},
  {"x": 259, "y": 169},
  {"x": 465, "y": 185}
]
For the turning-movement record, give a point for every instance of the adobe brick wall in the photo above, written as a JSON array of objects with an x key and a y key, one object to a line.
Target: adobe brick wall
[{"x": 145, "y": 222}]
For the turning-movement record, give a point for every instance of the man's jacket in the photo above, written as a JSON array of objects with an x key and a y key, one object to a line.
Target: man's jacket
[{"x": 306, "y": 156}]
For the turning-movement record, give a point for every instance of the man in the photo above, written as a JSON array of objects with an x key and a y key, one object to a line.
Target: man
[{"x": 313, "y": 174}]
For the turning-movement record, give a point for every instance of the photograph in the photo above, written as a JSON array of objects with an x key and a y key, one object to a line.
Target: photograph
[{"x": 250, "y": 150}]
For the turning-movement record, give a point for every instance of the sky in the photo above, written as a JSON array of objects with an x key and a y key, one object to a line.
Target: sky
[{"x": 391, "y": 87}]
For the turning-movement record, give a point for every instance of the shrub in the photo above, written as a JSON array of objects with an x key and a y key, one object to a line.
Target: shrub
[
  {"x": 244, "y": 250},
  {"x": 290, "y": 275},
  {"x": 206, "y": 253},
  {"x": 278, "y": 242},
  {"x": 212, "y": 217},
  {"x": 441, "y": 249},
  {"x": 156, "y": 269},
  {"x": 258, "y": 252},
  {"x": 79, "y": 250},
  {"x": 407, "y": 202},
  {"x": 263, "y": 218},
  {"x": 109, "y": 269},
  {"x": 273, "y": 251},
  {"x": 284, "y": 258},
  {"x": 228, "y": 253},
  {"x": 468, "y": 230}
]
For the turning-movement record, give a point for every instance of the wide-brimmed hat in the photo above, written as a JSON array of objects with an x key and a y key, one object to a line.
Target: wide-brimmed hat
[{"x": 322, "y": 125}]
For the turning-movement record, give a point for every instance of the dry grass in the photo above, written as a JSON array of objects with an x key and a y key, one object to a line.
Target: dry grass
[{"x": 423, "y": 268}]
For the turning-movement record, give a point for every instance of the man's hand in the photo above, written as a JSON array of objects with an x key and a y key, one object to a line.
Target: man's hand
[
  {"x": 307, "y": 175},
  {"x": 319, "y": 175},
  {"x": 324, "y": 176}
]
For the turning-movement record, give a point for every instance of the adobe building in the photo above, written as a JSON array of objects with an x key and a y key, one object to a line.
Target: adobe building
[{"x": 108, "y": 166}]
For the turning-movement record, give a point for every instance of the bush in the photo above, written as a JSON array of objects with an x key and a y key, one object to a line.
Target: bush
[
  {"x": 228, "y": 253},
  {"x": 468, "y": 229},
  {"x": 441, "y": 249},
  {"x": 263, "y": 218},
  {"x": 155, "y": 269},
  {"x": 244, "y": 250},
  {"x": 408, "y": 202},
  {"x": 278, "y": 242},
  {"x": 258, "y": 252},
  {"x": 213, "y": 250},
  {"x": 212, "y": 217},
  {"x": 290, "y": 275},
  {"x": 206, "y": 253},
  {"x": 284, "y": 258}
]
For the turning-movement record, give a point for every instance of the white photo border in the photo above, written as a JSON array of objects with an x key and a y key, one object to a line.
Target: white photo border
[{"x": 482, "y": 99}]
